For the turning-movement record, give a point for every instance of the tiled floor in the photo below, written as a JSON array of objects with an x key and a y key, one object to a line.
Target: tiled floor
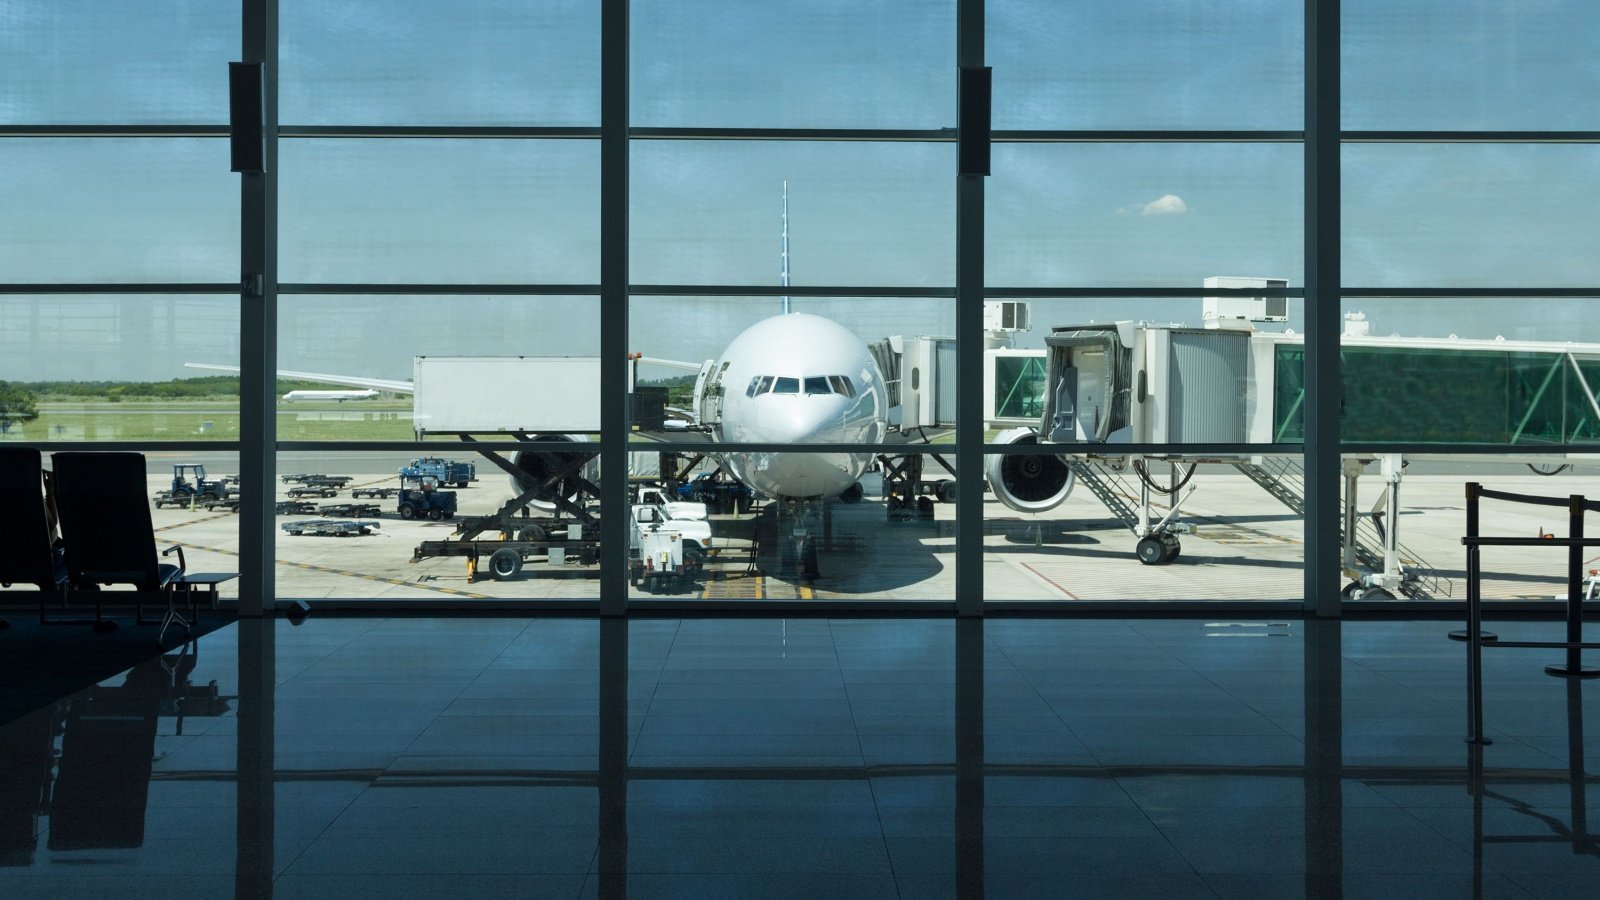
[{"x": 499, "y": 757}]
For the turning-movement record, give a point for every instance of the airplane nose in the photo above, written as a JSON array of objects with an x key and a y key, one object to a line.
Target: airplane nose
[{"x": 804, "y": 420}]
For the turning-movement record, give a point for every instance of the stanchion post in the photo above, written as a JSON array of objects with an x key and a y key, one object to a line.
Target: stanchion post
[
  {"x": 1574, "y": 668},
  {"x": 1474, "y": 625}
]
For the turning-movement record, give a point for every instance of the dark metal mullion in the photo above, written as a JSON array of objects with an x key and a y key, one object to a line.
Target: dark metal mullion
[
  {"x": 885, "y": 135},
  {"x": 258, "y": 330},
  {"x": 767, "y": 290},
  {"x": 1467, "y": 293},
  {"x": 1202, "y": 450},
  {"x": 137, "y": 446},
  {"x": 445, "y": 289},
  {"x": 614, "y": 412},
  {"x": 555, "y": 132},
  {"x": 1358, "y": 448},
  {"x": 113, "y": 131},
  {"x": 1322, "y": 570},
  {"x": 1136, "y": 136},
  {"x": 1152, "y": 292},
  {"x": 969, "y": 343},
  {"x": 190, "y": 287},
  {"x": 1471, "y": 137},
  {"x": 426, "y": 446}
]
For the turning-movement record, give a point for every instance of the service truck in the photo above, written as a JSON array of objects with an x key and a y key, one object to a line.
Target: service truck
[{"x": 444, "y": 471}]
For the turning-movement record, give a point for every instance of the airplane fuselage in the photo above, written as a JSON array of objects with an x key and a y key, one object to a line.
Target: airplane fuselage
[{"x": 796, "y": 379}]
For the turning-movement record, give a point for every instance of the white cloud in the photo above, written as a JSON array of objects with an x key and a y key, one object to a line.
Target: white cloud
[{"x": 1165, "y": 205}]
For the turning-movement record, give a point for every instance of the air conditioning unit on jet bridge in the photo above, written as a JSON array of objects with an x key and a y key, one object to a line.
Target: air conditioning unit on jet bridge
[{"x": 1238, "y": 311}]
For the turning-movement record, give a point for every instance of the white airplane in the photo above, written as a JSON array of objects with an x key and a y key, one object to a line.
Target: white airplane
[
  {"x": 339, "y": 396},
  {"x": 794, "y": 378}
]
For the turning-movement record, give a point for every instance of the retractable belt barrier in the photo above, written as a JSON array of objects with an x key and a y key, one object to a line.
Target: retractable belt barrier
[{"x": 1576, "y": 506}]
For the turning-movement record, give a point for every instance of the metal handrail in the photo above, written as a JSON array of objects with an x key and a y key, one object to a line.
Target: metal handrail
[{"x": 1576, "y": 505}]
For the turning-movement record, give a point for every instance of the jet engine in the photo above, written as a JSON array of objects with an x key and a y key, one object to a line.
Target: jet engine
[
  {"x": 536, "y": 469},
  {"x": 1032, "y": 483}
]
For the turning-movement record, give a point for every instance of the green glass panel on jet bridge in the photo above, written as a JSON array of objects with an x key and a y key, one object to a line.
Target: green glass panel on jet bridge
[
  {"x": 1429, "y": 395},
  {"x": 1019, "y": 387}
]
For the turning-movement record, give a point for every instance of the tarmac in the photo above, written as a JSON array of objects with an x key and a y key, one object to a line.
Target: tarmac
[{"x": 1245, "y": 545}]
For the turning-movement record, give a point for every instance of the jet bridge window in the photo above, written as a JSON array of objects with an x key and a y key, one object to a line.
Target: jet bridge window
[
  {"x": 818, "y": 384},
  {"x": 786, "y": 386}
]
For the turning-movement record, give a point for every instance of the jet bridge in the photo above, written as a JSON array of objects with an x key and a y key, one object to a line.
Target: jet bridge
[{"x": 1143, "y": 383}]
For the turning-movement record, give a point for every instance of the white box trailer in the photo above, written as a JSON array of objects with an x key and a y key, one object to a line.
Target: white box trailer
[{"x": 506, "y": 394}]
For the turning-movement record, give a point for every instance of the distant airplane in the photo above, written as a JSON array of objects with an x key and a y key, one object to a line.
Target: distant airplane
[{"x": 339, "y": 396}]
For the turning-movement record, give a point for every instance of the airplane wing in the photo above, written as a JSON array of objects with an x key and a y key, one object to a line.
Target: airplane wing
[
  {"x": 672, "y": 363},
  {"x": 379, "y": 384}
]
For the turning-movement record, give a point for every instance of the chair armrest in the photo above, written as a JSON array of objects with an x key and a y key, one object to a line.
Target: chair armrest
[{"x": 182, "y": 566}]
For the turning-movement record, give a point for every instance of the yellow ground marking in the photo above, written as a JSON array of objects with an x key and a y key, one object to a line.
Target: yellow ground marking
[{"x": 311, "y": 567}]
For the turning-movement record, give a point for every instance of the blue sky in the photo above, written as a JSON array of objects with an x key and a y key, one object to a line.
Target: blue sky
[{"x": 863, "y": 213}]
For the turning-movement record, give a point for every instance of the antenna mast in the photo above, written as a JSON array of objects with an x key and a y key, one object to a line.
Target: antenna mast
[{"x": 784, "y": 275}]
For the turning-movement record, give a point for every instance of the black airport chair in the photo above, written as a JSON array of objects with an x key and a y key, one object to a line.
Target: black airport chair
[
  {"x": 105, "y": 524},
  {"x": 27, "y": 554}
]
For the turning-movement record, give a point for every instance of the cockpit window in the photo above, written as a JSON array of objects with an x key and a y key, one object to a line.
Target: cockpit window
[
  {"x": 818, "y": 384},
  {"x": 842, "y": 385},
  {"x": 760, "y": 384},
  {"x": 751, "y": 390},
  {"x": 786, "y": 386}
]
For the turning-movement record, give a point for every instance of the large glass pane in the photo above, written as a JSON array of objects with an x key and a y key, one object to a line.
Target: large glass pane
[
  {"x": 1479, "y": 65},
  {"x": 109, "y": 62},
  {"x": 712, "y": 212},
  {"x": 1106, "y": 64},
  {"x": 388, "y": 211},
  {"x": 1141, "y": 214},
  {"x": 370, "y": 526},
  {"x": 1480, "y": 370},
  {"x": 837, "y": 370},
  {"x": 111, "y": 368},
  {"x": 108, "y": 209},
  {"x": 1097, "y": 371},
  {"x": 194, "y": 499},
  {"x": 445, "y": 365},
  {"x": 1195, "y": 526},
  {"x": 735, "y": 526},
  {"x": 1469, "y": 214},
  {"x": 815, "y": 64},
  {"x": 474, "y": 62}
]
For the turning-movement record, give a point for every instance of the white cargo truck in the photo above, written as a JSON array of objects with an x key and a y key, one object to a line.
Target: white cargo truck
[{"x": 506, "y": 394}]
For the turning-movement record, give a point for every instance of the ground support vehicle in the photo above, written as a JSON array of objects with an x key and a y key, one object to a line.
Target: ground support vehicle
[
  {"x": 719, "y": 493},
  {"x": 377, "y": 493},
  {"x": 502, "y": 542},
  {"x": 296, "y": 508},
  {"x": 661, "y": 561},
  {"x": 350, "y": 510},
  {"x": 230, "y": 504},
  {"x": 313, "y": 490},
  {"x": 907, "y": 494},
  {"x": 316, "y": 478},
  {"x": 443, "y": 471},
  {"x": 419, "y": 499},
  {"x": 189, "y": 480},
  {"x": 329, "y": 528}
]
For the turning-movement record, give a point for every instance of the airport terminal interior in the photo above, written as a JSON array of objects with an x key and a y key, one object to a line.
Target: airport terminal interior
[{"x": 704, "y": 448}]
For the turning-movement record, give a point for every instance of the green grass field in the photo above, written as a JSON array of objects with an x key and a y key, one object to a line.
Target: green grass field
[{"x": 218, "y": 420}]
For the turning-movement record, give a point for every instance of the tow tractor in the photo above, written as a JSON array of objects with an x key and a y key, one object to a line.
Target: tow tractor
[
  {"x": 190, "y": 487},
  {"x": 420, "y": 498}
]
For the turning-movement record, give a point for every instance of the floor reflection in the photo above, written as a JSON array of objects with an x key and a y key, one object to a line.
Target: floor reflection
[{"x": 802, "y": 758}]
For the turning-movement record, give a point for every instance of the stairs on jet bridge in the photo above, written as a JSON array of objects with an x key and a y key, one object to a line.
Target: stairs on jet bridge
[
  {"x": 1110, "y": 488},
  {"x": 1283, "y": 480}
]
